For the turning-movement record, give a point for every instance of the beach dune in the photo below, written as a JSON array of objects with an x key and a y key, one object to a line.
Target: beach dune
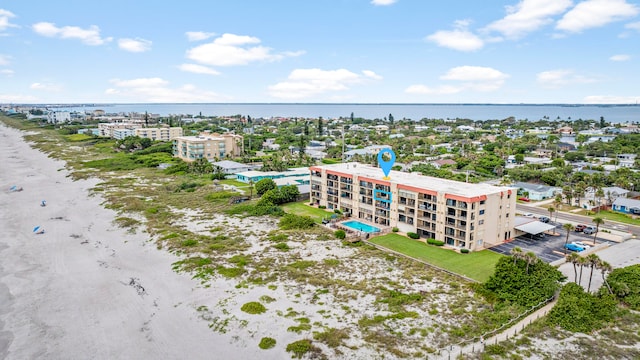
[{"x": 86, "y": 289}]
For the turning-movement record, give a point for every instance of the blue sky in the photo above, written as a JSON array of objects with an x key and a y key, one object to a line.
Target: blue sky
[{"x": 333, "y": 51}]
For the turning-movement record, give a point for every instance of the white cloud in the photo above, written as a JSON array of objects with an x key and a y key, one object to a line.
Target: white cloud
[
  {"x": 6, "y": 72},
  {"x": 4, "y": 98},
  {"x": 473, "y": 78},
  {"x": 231, "y": 49},
  {"x": 528, "y": 16},
  {"x": 382, "y": 2},
  {"x": 45, "y": 87},
  {"x": 304, "y": 83},
  {"x": 610, "y": 99},
  {"x": 561, "y": 77},
  {"x": 198, "y": 69},
  {"x": 459, "y": 39},
  {"x": 440, "y": 90},
  {"x": 620, "y": 57},
  {"x": 199, "y": 35},
  {"x": 595, "y": 13},
  {"x": 5, "y": 16},
  {"x": 633, "y": 26},
  {"x": 158, "y": 90},
  {"x": 90, "y": 36},
  {"x": 134, "y": 45},
  {"x": 4, "y": 60},
  {"x": 371, "y": 74}
]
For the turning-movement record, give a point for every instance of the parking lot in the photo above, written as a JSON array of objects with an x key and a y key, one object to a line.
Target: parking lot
[{"x": 548, "y": 249}]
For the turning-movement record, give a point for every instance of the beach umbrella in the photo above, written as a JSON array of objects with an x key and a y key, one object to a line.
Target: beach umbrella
[{"x": 35, "y": 229}]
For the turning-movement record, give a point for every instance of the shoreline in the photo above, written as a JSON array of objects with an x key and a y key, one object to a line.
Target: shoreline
[{"x": 86, "y": 288}]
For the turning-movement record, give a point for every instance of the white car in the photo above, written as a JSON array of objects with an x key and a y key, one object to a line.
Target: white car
[
  {"x": 581, "y": 244},
  {"x": 528, "y": 215}
]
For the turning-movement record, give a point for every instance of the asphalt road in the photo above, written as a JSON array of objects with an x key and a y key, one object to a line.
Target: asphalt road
[{"x": 563, "y": 217}]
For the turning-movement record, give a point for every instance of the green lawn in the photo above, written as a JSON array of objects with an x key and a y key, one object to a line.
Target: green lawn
[
  {"x": 615, "y": 216},
  {"x": 234, "y": 183},
  {"x": 477, "y": 265},
  {"x": 302, "y": 208}
]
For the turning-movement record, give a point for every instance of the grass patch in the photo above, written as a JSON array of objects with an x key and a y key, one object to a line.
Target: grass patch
[
  {"x": 253, "y": 307},
  {"x": 303, "y": 209},
  {"x": 300, "y": 348},
  {"x": 478, "y": 265},
  {"x": 77, "y": 137},
  {"x": 616, "y": 216},
  {"x": 267, "y": 343}
]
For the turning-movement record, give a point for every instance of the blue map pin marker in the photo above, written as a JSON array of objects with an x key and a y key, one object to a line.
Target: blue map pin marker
[{"x": 386, "y": 165}]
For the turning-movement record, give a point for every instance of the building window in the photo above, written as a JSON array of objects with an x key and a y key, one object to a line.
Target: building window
[
  {"x": 482, "y": 202},
  {"x": 480, "y": 222},
  {"x": 481, "y": 212}
]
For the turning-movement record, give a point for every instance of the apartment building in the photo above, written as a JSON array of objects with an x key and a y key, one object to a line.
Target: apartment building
[
  {"x": 463, "y": 215},
  {"x": 208, "y": 146},
  {"x": 159, "y": 133},
  {"x": 107, "y": 129}
]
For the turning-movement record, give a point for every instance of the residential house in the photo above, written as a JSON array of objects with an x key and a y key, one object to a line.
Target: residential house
[
  {"x": 57, "y": 117},
  {"x": 626, "y": 160},
  {"x": 443, "y": 162},
  {"x": 301, "y": 174},
  {"x": 537, "y": 191},
  {"x": 232, "y": 167},
  {"x": 626, "y": 205}
]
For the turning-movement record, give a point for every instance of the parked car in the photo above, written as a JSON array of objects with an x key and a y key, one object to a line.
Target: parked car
[
  {"x": 539, "y": 236},
  {"x": 528, "y": 215},
  {"x": 581, "y": 244},
  {"x": 574, "y": 247},
  {"x": 580, "y": 227},
  {"x": 589, "y": 230},
  {"x": 544, "y": 219},
  {"x": 525, "y": 199}
]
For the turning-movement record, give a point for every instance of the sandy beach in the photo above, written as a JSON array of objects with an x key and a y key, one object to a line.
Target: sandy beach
[{"x": 86, "y": 288}]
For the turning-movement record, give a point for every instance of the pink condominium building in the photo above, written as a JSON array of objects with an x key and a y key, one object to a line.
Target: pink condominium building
[{"x": 463, "y": 215}]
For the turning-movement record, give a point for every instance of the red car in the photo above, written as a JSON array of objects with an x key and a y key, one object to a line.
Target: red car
[
  {"x": 524, "y": 199},
  {"x": 580, "y": 227}
]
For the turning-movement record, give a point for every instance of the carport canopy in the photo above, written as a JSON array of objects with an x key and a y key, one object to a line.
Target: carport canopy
[{"x": 534, "y": 227}]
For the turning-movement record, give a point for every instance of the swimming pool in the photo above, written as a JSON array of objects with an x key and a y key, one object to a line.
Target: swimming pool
[{"x": 359, "y": 226}]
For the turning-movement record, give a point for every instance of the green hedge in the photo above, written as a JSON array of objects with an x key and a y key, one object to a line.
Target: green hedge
[
  {"x": 413, "y": 235},
  {"x": 435, "y": 242}
]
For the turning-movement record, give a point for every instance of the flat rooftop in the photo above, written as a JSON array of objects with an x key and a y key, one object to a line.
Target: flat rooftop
[
  {"x": 302, "y": 171},
  {"x": 418, "y": 180}
]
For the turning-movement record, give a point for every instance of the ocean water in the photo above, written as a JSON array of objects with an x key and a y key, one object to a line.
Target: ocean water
[{"x": 611, "y": 113}]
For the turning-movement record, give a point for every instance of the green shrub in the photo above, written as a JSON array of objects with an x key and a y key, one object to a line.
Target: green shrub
[
  {"x": 253, "y": 307},
  {"x": 267, "y": 343},
  {"x": 322, "y": 207},
  {"x": 292, "y": 221},
  {"x": 299, "y": 348},
  {"x": 625, "y": 284},
  {"x": 435, "y": 242},
  {"x": 413, "y": 235},
  {"x": 190, "y": 242},
  {"x": 337, "y": 211},
  {"x": 231, "y": 272},
  {"x": 395, "y": 229},
  {"x": 340, "y": 234},
  {"x": 282, "y": 246},
  {"x": 265, "y": 185},
  {"x": 579, "y": 311},
  {"x": 464, "y": 251}
]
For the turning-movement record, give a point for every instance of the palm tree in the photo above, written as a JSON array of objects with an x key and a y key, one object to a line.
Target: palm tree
[
  {"x": 250, "y": 189},
  {"x": 551, "y": 210},
  {"x": 598, "y": 221},
  {"x": 530, "y": 258},
  {"x": 592, "y": 261},
  {"x": 574, "y": 259},
  {"x": 517, "y": 254},
  {"x": 599, "y": 195},
  {"x": 569, "y": 228},
  {"x": 605, "y": 268},
  {"x": 582, "y": 262}
]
